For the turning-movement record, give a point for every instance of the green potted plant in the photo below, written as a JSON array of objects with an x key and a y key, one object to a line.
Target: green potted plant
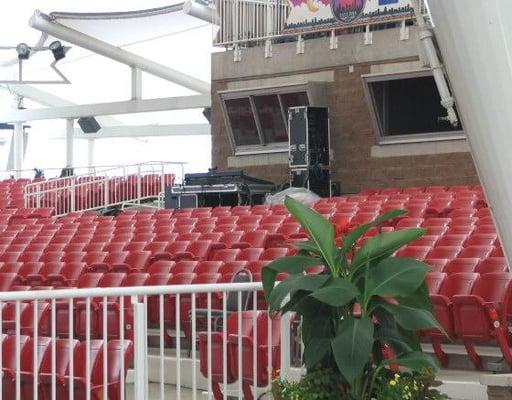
[{"x": 358, "y": 317}]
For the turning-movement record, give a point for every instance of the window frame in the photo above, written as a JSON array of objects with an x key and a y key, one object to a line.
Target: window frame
[
  {"x": 368, "y": 79},
  {"x": 313, "y": 96}
]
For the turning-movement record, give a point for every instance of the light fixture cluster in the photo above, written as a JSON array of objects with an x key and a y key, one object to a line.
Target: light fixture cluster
[{"x": 56, "y": 47}]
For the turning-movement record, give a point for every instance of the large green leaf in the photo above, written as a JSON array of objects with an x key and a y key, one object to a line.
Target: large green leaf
[
  {"x": 419, "y": 299},
  {"x": 352, "y": 237},
  {"x": 307, "y": 245},
  {"x": 411, "y": 318},
  {"x": 384, "y": 244},
  {"x": 337, "y": 292},
  {"x": 291, "y": 265},
  {"x": 395, "y": 276},
  {"x": 415, "y": 361},
  {"x": 352, "y": 346},
  {"x": 293, "y": 283},
  {"x": 320, "y": 229},
  {"x": 315, "y": 351},
  {"x": 387, "y": 331}
]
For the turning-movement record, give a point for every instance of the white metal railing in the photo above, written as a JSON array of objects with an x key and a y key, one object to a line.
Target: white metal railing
[
  {"x": 231, "y": 356},
  {"x": 55, "y": 172},
  {"x": 252, "y": 22},
  {"x": 104, "y": 187}
]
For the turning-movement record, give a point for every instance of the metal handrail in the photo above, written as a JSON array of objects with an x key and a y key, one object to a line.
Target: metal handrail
[{"x": 74, "y": 293}]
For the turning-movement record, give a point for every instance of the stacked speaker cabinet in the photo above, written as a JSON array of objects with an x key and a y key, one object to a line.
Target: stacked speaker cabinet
[{"x": 309, "y": 159}]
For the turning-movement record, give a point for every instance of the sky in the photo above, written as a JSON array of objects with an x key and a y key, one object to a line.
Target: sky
[{"x": 182, "y": 43}]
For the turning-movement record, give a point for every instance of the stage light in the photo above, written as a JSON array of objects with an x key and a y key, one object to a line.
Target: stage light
[
  {"x": 23, "y": 51},
  {"x": 58, "y": 50}
]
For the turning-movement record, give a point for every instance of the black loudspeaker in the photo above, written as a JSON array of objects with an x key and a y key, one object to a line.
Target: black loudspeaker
[
  {"x": 309, "y": 158},
  {"x": 89, "y": 124}
]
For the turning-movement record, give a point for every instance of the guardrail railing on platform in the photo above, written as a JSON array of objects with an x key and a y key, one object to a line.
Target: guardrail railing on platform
[
  {"x": 213, "y": 339},
  {"x": 104, "y": 188}
]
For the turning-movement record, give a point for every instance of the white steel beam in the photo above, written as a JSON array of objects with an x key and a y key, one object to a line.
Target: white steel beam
[
  {"x": 136, "y": 84},
  {"x": 17, "y": 140},
  {"x": 44, "y": 23},
  {"x": 114, "y": 108},
  {"x": 69, "y": 142},
  {"x": 475, "y": 41},
  {"x": 146, "y": 131},
  {"x": 50, "y": 100}
]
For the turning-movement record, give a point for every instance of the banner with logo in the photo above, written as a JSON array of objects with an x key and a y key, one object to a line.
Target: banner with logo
[{"x": 307, "y": 15}]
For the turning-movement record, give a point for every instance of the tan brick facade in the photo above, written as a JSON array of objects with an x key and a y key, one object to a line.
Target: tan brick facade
[{"x": 352, "y": 138}]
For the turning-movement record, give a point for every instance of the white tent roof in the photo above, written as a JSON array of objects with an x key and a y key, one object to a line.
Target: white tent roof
[{"x": 171, "y": 38}]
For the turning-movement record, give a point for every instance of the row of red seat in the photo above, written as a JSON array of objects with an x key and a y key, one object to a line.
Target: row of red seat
[
  {"x": 425, "y": 189},
  {"x": 472, "y": 308},
  {"x": 451, "y": 252},
  {"x": 116, "y": 351},
  {"x": 26, "y": 275},
  {"x": 456, "y": 265}
]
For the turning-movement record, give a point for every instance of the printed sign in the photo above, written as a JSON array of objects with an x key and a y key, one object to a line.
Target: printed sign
[{"x": 308, "y": 15}]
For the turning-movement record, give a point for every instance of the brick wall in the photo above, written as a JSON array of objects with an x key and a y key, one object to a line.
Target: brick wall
[{"x": 352, "y": 138}]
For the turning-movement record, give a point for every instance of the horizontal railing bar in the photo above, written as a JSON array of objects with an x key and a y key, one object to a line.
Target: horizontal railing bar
[{"x": 127, "y": 291}]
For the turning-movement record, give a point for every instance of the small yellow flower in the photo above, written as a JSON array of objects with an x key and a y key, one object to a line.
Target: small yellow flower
[
  {"x": 397, "y": 377},
  {"x": 392, "y": 383}
]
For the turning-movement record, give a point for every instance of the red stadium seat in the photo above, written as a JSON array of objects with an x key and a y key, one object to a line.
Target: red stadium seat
[
  {"x": 218, "y": 374},
  {"x": 27, "y": 364},
  {"x": 483, "y": 315},
  {"x": 68, "y": 274},
  {"x": 448, "y": 252},
  {"x": 250, "y": 254},
  {"x": 161, "y": 267},
  {"x": 9, "y": 364},
  {"x": 453, "y": 285},
  {"x": 434, "y": 281},
  {"x": 208, "y": 267},
  {"x": 480, "y": 252},
  {"x": 482, "y": 239},
  {"x": 437, "y": 263},
  {"x": 185, "y": 267},
  {"x": 114, "y": 308},
  {"x": 274, "y": 253},
  {"x": 114, "y": 279},
  {"x": 157, "y": 279},
  {"x": 492, "y": 264},
  {"x": 135, "y": 261},
  {"x": 458, "y": 265},
  {"x": 226, "y": 255},
  {"x": 263, "y": 364},
  {"x": 257, "y": 238},
  {"x": 417, "y": 252},
  {"x": 452, "y": 240}
]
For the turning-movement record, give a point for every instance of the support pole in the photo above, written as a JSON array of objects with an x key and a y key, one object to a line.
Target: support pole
[
  {"x": 17, "y": 147},
  {"x": 136, "y": 84},
  {"x": 475, "y": 42},
  {"x": 427, "y": 41},
  {"x": 70, "y": 132}
]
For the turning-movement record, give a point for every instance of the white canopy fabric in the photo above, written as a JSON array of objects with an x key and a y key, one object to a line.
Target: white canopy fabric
[{"x": 163, "y": 34}]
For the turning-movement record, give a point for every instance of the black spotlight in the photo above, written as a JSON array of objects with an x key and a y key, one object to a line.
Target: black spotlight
[
  {"x": 58, "y": 50},
  {"x": 23, "y": 51}
]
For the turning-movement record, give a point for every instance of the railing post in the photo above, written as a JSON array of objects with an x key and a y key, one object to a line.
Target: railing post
[
  {"x": 140, "y": 348},
  {"x": 139, "y": 184},
  {"x": 106, "y": 194},
  {"x": 285, "y": 345},
  {"x": 73, "y": 194}
]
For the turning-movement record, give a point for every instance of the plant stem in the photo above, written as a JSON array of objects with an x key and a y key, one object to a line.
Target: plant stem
[{"x": 375, "y": 375}]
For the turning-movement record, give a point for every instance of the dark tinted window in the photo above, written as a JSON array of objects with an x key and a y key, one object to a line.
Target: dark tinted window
[
  {"x": 271, "y": 118},
  {"x": 242, "y": 122},
  {"x": 409, "y": 106}
]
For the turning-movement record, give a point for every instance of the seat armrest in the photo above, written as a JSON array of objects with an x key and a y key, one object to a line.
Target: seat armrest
[{"x": 439, "y": 299}]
